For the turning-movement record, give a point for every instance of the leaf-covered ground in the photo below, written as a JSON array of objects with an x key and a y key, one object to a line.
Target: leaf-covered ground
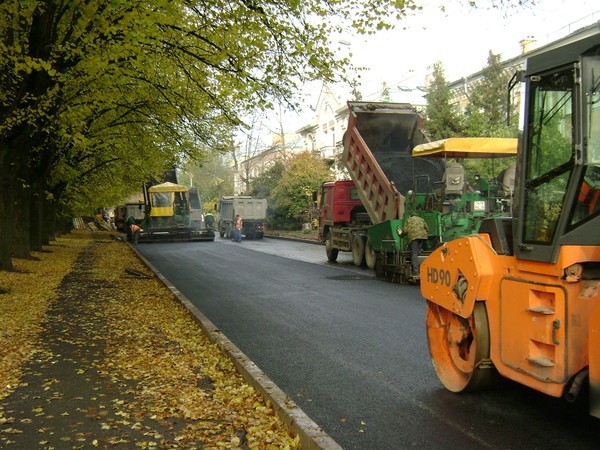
[
  {"x": 93, "y": 356},
  {"x": 309, "y": 235}
]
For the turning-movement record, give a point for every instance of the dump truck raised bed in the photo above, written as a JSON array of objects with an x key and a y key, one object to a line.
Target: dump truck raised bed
[
  {"x": 252, "y": 210},
  {"x": 390, "y": 180},
  {"x": 521, "y": 299},
  {"x": 377, "y": 153}
]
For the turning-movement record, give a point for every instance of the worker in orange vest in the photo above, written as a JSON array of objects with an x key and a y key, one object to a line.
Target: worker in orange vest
[{"x": 238, "y": 225}]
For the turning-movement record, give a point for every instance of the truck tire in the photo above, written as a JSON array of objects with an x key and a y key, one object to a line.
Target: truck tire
[
  {"x": 370, "y": 256},
  {"x": 358, "y": 250},
  {"x": 332, "y": 253}
]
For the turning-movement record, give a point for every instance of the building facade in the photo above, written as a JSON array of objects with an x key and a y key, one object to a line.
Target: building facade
[{"x": 324, "y": 135}]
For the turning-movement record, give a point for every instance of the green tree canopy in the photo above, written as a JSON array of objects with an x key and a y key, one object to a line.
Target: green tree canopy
[
  {"x": 485, "y": 115},
  {"x": 264, "y": 184},
  {"x": 442, "y": 117},
  {"x": 97, "y": 96},
  {"x": 213, "y": 176},
  {"x": 303, "y": 175}
]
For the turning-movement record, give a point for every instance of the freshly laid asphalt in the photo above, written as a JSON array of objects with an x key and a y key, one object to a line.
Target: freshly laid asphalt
[
  {"x": 352, "y": 350},
  {"x": 55, "y": 407}
]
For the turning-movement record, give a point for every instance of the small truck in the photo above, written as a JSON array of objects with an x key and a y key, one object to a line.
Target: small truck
[{"x": 252, "y": 210}]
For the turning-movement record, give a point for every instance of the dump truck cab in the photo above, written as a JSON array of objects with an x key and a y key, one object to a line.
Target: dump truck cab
[{"x": 343, "y": 220}]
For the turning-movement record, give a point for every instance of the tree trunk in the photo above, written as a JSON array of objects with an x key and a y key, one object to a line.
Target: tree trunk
[
  {"x": 36, "y": 233},
  {"x": 21, "y": 247},
  {"x": 7, "y": 219},
  {"x": 54, "y": 223},
  {"x": 52, "y": 226}
]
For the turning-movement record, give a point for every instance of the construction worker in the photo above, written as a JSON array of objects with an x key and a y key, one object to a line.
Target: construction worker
[
  {"x": 129, "y": 222},
  {"x": 417, "y": 231},
  {"x": 238, "y": 225},
  {"x": 135, "y": 232}
]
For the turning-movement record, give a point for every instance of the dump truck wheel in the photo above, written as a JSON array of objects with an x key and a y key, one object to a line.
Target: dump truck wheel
[
  {"x": 358, "y": 251},
  {"x": 332, "y": 253},
  {"x": 370, "y": 257},
  {"x": 460, "y": 348}
]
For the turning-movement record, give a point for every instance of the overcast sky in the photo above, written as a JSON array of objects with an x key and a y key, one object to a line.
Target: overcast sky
[{"x": 460, "y": 37}]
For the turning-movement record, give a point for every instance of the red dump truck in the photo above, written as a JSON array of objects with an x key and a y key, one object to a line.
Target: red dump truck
[
  {"x": 396, "y": 172},
  {"x": 343, "y": 222},
  {"x": 377, "y": 153}
]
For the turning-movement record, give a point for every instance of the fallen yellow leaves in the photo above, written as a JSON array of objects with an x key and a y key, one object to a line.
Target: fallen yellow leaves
[
  {"x": 158, "y": 344},
  {"x": 172, "y": 375},
  {"x": 24, "y": 304}
]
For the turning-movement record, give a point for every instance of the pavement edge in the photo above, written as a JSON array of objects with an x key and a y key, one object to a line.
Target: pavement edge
[{"x": 312, "y": 437}]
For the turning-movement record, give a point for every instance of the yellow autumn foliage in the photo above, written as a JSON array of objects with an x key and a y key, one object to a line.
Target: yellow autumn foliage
[{"x": 150, "y": 340}]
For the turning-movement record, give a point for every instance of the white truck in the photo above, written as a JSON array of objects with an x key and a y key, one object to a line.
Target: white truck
[
  {"x": 133, "y": 205},
  {"x": 253, "y": 212}
]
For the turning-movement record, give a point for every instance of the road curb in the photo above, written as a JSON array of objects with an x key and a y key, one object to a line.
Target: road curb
[
  {"x": 285, "y": 238},
  {"x": 312, "y": 437}
]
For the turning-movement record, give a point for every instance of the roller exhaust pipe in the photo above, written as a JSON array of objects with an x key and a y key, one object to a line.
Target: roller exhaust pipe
[{"x": 578, "y": 380}]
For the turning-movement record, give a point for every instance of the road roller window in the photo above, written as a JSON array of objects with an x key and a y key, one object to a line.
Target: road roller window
[
  {"x": 587, "y": 202},
  {"x": 551, "y": 142}
]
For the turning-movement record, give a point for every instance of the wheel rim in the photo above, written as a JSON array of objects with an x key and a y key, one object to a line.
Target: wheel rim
[
  {"x": 370, "y": 256},
  {"x": 358, "y": 251},
  {"x": 457, "y": 346},
  {"x": 332, "y": 253}
]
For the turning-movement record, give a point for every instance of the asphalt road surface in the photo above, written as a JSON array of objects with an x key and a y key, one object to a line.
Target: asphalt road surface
[{"x": 351, "y": 351}]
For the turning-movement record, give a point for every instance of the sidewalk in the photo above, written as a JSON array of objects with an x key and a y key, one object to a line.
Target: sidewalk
[
  {"x": 120, "y": 363},
  {"x": 63, "y": 399}
]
